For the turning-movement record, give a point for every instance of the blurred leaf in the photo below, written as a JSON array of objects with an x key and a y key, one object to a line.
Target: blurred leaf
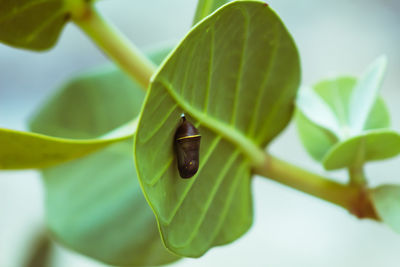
[
  {"x": 95, "y": 206},
  {"x": 89, "y": 105},
  {"x": 317, "y": 140},
  {"x": 365, "y": 94},
  {"x": 23, "y": 150},
  {"x": 235, "y": 76},
  {"x": 317, "y": 111},
  {"x": 32, "y": 24},
  {"x": 206, "y": 7},
  {"x": 324, "y": 120},
  {"x": 88, "y": 113},
  {"x": 372, "y": 145},
  {"x": 386, "y": 200}
]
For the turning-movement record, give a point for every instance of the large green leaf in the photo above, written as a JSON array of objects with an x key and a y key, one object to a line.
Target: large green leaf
[
  {"x": 34, "y": 24},
  {"x": 386, "y": 200},
  {"x": 95, "y": 206},
  {"x": 331, "y": 123},
  {"x": 235, "y": 76}
]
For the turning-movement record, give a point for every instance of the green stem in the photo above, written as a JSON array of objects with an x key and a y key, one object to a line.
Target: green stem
[
  {"x": 357, "y": 177},
  {"x": 206, "y": 7},
  {"x": 115, "y": 45},
  {"x": 349, "y": 197}
]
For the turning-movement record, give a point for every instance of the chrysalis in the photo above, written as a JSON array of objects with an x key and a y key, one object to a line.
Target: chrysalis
[{"x": 187, "y": 146}]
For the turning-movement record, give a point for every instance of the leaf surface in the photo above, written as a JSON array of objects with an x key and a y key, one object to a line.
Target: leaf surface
[
  {"x": 32, "y": 24},
  {"x": 95, "y": 206},
  {"x": 386, "y": 200},
  {"x": 365, "y": 94},
  {"x": 373, "y": 145},
  {"x": 24, "y": 150},
  {"x": 235, "y": 76}
]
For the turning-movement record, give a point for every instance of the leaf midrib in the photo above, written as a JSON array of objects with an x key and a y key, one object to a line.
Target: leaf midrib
[{"x": 228, "y": 132}]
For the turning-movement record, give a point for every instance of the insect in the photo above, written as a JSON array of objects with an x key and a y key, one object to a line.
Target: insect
[{"x": 187, "y": 146}]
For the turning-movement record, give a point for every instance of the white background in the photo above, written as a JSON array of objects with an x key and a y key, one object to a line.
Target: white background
[{"x": 290, "y": 228}]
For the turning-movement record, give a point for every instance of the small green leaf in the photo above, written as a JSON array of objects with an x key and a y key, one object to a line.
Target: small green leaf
[
  {"x": 325, "y": 124},
  {"x": 365, "y": 94},
  {"x": 235, "y": 76},
  {"x": 317, "y": 111},
  {"x": 372, "y": 145},
  {"x": 386, "y": 200},
  {"x": 317, "y": 140},
  {"x": 95, "y": 206}
]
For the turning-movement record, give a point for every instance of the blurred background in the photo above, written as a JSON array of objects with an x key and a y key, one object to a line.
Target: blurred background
[{"x": 290, "y": 228}]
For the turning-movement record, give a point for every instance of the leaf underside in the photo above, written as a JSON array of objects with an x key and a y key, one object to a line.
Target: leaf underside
[
  {"x": 235, "y": 76},
  {"x": 386, "y": 200}
]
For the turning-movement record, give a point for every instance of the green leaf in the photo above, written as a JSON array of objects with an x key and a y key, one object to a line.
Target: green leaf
[
  {"x": 206, "y": 7},
  {"x": 79, "y": 115},
  {"x": 95, "y": 206},
  {"x": 386, "y": 200},
  {"x": 317, "y": 111},
  {"x": 317, "y": 140},
  {"x": 235, "y": 76},
  {"x": 365, "y": 94},
  {"x": 324, "y": 120},
  {"x": 22, "y": 150},
  {"x": 90, "y": 105},
  {"x": 89, "y": 112},
  {"x": 32, "y": 24},
  {"x": 372, "y": 145}
]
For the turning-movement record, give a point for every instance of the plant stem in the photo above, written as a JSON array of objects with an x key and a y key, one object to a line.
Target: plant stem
[
  {"x": 116, "y": 46},
  {"x": 351, "y": 198},
  {"x": 206, "y": 7},
  {"x": 357, "y": 177}
]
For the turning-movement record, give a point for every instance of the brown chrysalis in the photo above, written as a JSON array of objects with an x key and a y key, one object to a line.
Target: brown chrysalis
[{"x": 187, "y": 146}]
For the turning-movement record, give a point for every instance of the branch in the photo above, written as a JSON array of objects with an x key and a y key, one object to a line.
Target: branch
[
  {"x": 115, "y": 45},
  {"x": 352, "y": 198}
]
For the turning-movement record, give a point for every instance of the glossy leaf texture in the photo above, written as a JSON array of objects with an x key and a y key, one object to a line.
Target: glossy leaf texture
[
  {"x": 33, "y": 24},
  {"x": 94, "y": 205},
  {"x": 386, "y": 201},
  {"x": 328, "y": 126},
  {"x": 235, "y": 76}
]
